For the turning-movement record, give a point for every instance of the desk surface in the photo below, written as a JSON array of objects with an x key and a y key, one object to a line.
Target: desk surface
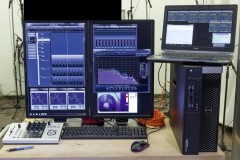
[{"x": 163, "y": 146}]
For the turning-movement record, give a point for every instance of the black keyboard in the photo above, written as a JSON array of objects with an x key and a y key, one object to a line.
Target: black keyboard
[{"x": 97, "y": 132}]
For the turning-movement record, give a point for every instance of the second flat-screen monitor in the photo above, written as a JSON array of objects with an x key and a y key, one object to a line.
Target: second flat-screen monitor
[
  {"x": 122, "y": 77},
  {"x": 88, "y": 69}
]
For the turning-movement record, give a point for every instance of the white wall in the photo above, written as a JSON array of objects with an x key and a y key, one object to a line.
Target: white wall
[
  {"x": 7, "y": 82},
  {"x": 156, "y": 13}
]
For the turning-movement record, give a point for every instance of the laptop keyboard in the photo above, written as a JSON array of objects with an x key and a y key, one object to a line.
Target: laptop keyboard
[{"x": 197, "y": 55}]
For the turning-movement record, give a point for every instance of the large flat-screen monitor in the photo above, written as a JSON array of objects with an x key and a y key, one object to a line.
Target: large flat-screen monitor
[
  {"x": 199, "y": 28},
  {"x": 56, "y": 69},
  {"x": 122, "y": 78}
]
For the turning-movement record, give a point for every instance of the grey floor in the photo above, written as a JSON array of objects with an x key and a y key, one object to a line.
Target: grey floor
[{"x": 9, "y": 114}]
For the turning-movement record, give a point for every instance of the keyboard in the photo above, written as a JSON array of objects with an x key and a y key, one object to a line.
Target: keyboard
[{"x": 99, "y": 132}]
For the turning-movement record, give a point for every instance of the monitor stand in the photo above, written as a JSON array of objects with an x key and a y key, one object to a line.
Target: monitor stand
[
  {"x": 121, "y": 121},
  {"x": 69, "y": 122},
  {"x": 92, "y": 121},
  {"x": 60, "y": 120}
]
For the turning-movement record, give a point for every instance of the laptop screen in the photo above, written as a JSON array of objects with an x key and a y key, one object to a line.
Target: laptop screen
[{"x": 199, "y": 28}]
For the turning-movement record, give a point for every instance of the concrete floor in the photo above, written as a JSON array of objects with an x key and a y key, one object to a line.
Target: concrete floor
[{"x": 9, "y": 114}]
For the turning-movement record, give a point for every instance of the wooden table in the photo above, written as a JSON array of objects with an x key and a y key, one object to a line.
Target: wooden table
[{"x": 163, "y": 146}]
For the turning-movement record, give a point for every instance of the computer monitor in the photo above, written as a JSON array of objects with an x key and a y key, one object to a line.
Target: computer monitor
[
  {"x": 122, "y": 78},
  {"x": 56, "y": 69},
  {"x": 199, "y": 28}
]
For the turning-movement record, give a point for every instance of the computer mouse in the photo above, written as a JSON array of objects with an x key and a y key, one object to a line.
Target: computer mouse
[{"x": 138, "y": 146}]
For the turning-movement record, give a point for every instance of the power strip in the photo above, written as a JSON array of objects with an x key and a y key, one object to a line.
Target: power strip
[{"x": 33, "y": 133}]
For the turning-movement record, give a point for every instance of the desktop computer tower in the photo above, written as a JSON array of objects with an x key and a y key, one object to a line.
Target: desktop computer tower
[{"x": 194, "y": 107}]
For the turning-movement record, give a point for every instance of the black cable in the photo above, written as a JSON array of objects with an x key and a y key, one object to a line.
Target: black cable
[
  {"x": 21, "y": 8},
  {"x": 233, "y": 67},
  {"x": 136, "y": 7},
  {"x": 159, "y": 74},
  {"x": 164, "y": 106},
  {"x": 14, "y": 58},
  {"x": 130, "y": 12},
  {"x": 22, "y": 56},
  {"x": 23, "y": 114},
  {"x": 146, "y": 10},
  {"x": 19, "y": 47},
  {"x": 7, "y": 103},
  {"x": 156, "y": 101},
  {"x": 226, "y": 127},
  {"x": 109, "y": 123},
  {"x": 196, "y": 2},
  {"x": 222, "y": 145},
  {"x": 159, "y": 80},
  {"x": 157, "y": 129}
]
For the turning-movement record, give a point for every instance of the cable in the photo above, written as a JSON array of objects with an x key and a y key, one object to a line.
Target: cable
[
  {"x": 130, "y": 12},
  {"x": 196, "y": 2},
  {"x": 157, "y": 129},
  {"x": 107, "y": 121},
  {"x": 222, "y": 144},
  {"x": 165, "y": 106},
  {"x": 14, "y": 56},
  {"x": 163, "y": 89},
  {"x": 22, "y": 56},
  {"x": 226, "y": 127},
  {"x": 149, "y": 11},
  {"x": 156, "y": 121},
  {"x": 136, "y": 7},
  {"x": 23, "y": 114},
  {"x": 159, "y": 79},
  {"x": 233, "y": 67}
]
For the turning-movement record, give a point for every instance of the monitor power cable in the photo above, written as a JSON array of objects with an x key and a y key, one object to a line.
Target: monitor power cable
[{"x": 222, "y": 145}]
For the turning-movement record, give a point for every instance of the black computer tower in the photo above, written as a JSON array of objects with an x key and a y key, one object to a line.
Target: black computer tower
[{"x": 194, "y": 106}]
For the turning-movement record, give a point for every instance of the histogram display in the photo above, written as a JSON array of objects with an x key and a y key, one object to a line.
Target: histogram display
[
  {"x": 117, "y": 70},
  {"x": 121, "y": 73},
  {"x": 112, "y": 76}
]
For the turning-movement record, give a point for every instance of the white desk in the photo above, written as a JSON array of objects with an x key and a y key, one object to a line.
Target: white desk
[{"x": 163, "y": 146}]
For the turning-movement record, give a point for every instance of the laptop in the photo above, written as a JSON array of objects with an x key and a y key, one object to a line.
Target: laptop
[{"x": 198, "y": 34}]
